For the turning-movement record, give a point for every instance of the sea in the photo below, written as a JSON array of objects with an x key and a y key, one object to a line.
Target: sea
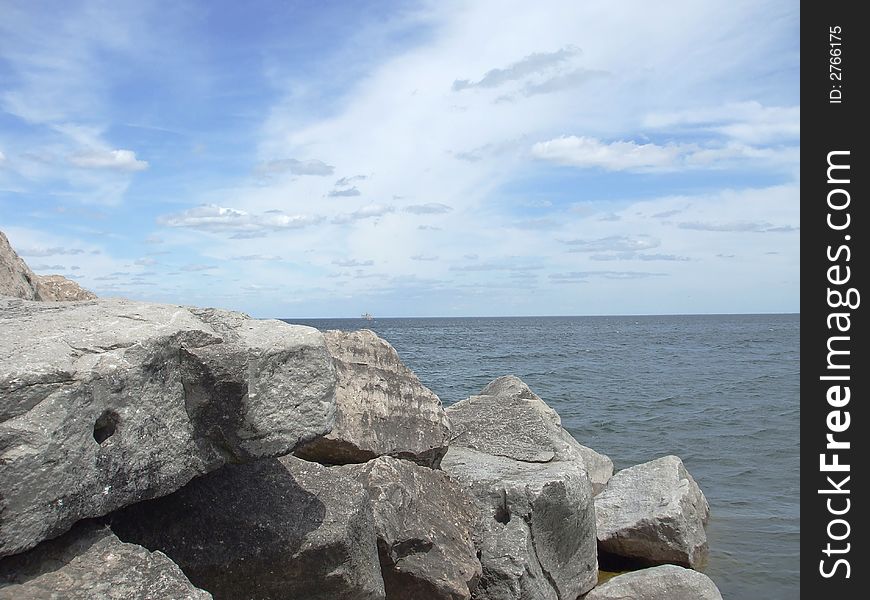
[{"x": 719, "y": 391}]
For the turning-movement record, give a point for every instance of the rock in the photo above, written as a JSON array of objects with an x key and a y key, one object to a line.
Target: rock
[
  {"x": 508, "y": 419},
  {"x": 57, "y": 288},
  {"x": 108, "y": 402},
  {"x": 16, "y": 278},
  {"x": 382, "y": 409},
  {"x": 667, "y": 582},
  {"x": 275, "y": 528},
  {"x": 538, "y": 528},
  {"x": 532, "y": 488},
  {"x": 599, "y": 467},
  {"x": 90, "y": 563},
  {"x": 18, "y": 281},
  {"x": 425, "y": 523},
  {"x": 653, "y": 513}
]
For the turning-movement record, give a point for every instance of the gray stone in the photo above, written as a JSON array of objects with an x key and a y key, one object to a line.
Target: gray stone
[
  {"x": 382, "y": 409},
  {"x": 508, "y": 419},
  {"x": 108, "y": 402},
  {"x": 532, "y": 487},
  {"x": 599, "y": 467},
  {"x": 274, "y": 528},
  {"x": 16, "y": 278},
  {"x": 667, "y": 582},
  {"x": 425, "y": 523},
  {"x": 18, "y": 281},
  {"x": 537, "y": 539},
  {"x": 653, "y": 513},
  {"x": 57, "y": 288},
  {"x": 90, "y": 563}
]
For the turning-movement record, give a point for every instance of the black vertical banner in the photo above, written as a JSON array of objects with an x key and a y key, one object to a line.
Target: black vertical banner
[{"x": 834, "y": 223}]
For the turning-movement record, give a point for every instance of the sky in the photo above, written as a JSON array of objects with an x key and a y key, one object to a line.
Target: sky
[{"x": 302, "y": 159}]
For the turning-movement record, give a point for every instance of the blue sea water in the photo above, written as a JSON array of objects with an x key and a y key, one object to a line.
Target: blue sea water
[{"x": 720, "y": 391}]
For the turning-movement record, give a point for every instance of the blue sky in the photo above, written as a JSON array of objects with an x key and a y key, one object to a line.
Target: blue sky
[{"x": 299, "y": 159}]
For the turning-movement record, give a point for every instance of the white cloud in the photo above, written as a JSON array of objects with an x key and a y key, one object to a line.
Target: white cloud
[
  {"x": 586, "y": 152},
  {"x": 532, "y": 64},
  {"x": 748, "y": 122},
  {"x": 350, "y": 192},
  {"x": 296, "y": 167},
  {"x": 614, "y": 243},
  {"x": 215, "y": 218},
  {"x": 579, "y": 276},
  {"x": 257, "y": 257},
  {"x": 346, "y": 181},
  {"x": 739, "y": 226},
  {"x": 366, "y": 212},
  {"x": 353, "y": 263},
  {"x": 120, "y": 160},
  {"x": 41, "y": 251},
  {"x": 430, "y": 208},
  {"x": 613, "y": 156}
]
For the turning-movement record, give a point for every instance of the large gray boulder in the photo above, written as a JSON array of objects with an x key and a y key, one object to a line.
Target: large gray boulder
[
  {"x": 91, "y": 563},
  {"x": 530, "y": 483},
  {"x": 109, "y": 402},
  {"x": 57, "y": 288},
  {"x": 537, "y": 536},
  {"x": 276, "y": 528},
  {"x": 425, "y": 524},
  {"x": 18, "y": 281},
  {"x": 666, "y": 582},
  {"x": 508, "y": 419},
  {"x": 16, "y": 278},
  {"x": 653, "y": 513},
  {"x": 382, "y": 409}
]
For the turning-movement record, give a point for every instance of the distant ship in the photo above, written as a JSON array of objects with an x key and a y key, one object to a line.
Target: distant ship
[{"x": 367, "y": 317}]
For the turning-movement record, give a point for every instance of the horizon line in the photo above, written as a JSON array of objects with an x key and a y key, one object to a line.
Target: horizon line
[{"x": 540, "y": 316}]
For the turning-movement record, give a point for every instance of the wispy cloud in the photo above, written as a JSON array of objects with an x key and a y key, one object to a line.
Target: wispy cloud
[
  {"x": 296, "y": 167},
  {"x": 431, "y": 208},
  {"x": 738, "y": 226},
  {"x": 586, "y": 275},
  {"x": 613, "y": 243},
  {"x": 750, "y": 122},
  {"x": 344, "y": 193},
  {"x": 353, "y": 263},
  {"x": 215, "y": 218},
  {"x": 588, "y": 152},
  {"x": 366, "y": 212},
  {"x": 257, "y": 257},
  {"x": 346, "y": 181},
  {"x": 118, "y": 160},
  {"x": 529, "y": 65},
  {"x": 54, "y": 251},
  {"x": 639, "y": 256},
  {"x": 613, "y": 156}
]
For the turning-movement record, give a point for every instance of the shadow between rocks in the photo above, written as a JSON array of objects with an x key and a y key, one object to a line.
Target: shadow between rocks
[{"x": 236, "y": 532}]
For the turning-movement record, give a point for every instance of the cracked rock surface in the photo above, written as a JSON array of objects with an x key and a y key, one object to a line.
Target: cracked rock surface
[
  {"x": 667, "y": 582},
  {"x": 654, "y": 513},
  {"x": 425, "y": 523},
  {"x": 89, "y": 562},
  {"x": 271, "y": 530},
  {"x": 532, "y": 490},
  {"x": 382, "y": 408},
  {"x": 109, "y": 402}
]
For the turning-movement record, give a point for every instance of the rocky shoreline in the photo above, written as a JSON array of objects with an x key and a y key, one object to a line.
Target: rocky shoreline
[{"x": 161, "y": 451}]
